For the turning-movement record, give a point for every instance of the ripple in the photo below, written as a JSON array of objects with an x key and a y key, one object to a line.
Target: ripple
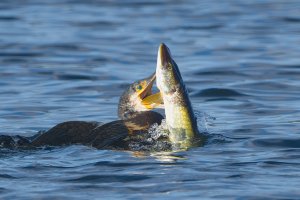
[
  {"x": 9, "y": 18},
  {"x": 236, "y": 176},
  {"x": 76, "y": 77},
  {"x": 3, "y": 190},
  {"x": 218, "y": 92},
  {"x": 20, "y": 54},
  {"x": 125, "y": 164},
  {"x": 291, "y": 19},
  {"x": 35, "y": 167},
  {"x": 277, "y": 143},
  {"x": 242, "y": 164},
  {"x": 14, "y": 60},
  {"x": 108, "y": 178},
  {"x": 6, "y": 176},
  {"x": 96, "y": 24},
  {"x": 201, "y": 27},
  {"x": 218, "y": 139},
  {"x": 62, "y": 46},
  {"x": 218, "y": 72},
  {"x": 271, "y": 163}
]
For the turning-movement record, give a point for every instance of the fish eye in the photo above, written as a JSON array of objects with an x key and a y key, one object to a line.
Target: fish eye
[{"x": 138, "y": 87}]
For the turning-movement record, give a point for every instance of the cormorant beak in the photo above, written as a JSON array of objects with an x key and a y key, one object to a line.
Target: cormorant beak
[
  {"x": 149, "y": 100},
  {"x": 147, "y": 90}
]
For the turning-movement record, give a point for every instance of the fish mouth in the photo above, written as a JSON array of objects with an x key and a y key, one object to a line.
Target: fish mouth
[
  {"x": 168, "y": 76},
  {"x": 164, "y": 57}
]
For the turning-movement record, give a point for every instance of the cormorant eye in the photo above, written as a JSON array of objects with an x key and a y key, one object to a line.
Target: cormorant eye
[{"x": 139, "y": 87}]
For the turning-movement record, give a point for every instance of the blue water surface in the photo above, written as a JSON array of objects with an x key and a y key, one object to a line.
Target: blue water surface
[{"x": 63, "y": 60}]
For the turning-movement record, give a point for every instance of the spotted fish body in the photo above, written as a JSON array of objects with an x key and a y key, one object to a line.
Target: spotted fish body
[{"x": 180, "y": 118}]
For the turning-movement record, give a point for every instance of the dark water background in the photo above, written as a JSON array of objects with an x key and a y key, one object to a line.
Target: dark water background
[{"x": 66, "y": 60}]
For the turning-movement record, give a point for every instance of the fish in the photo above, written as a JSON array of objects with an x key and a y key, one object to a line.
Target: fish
[{"x": 180, "y": 118}]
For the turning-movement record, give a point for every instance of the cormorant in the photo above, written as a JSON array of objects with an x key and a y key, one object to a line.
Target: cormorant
[{"x": 135, "y": 120}]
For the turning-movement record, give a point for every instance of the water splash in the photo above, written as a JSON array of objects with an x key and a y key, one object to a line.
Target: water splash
[
  {"x": 157, "y": 131},
  {"x": 156, "y": 139},
  {"x": 204, "y": 120}
]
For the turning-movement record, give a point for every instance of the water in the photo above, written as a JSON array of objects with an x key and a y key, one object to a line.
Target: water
[{"x": 70, "y": 60}]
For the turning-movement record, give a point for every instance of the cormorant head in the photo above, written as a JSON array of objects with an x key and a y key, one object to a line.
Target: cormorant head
[{"x": 131, "y": 100}]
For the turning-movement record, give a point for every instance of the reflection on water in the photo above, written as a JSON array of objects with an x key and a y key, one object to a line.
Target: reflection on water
[
  {"x": 164, "y": 157},
  {"x": 71, "y": 60}
]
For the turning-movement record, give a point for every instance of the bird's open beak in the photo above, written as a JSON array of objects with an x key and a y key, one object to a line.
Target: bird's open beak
[
  {"x": 147, "y": 91},
  {"x": 149, "y": 100}
]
